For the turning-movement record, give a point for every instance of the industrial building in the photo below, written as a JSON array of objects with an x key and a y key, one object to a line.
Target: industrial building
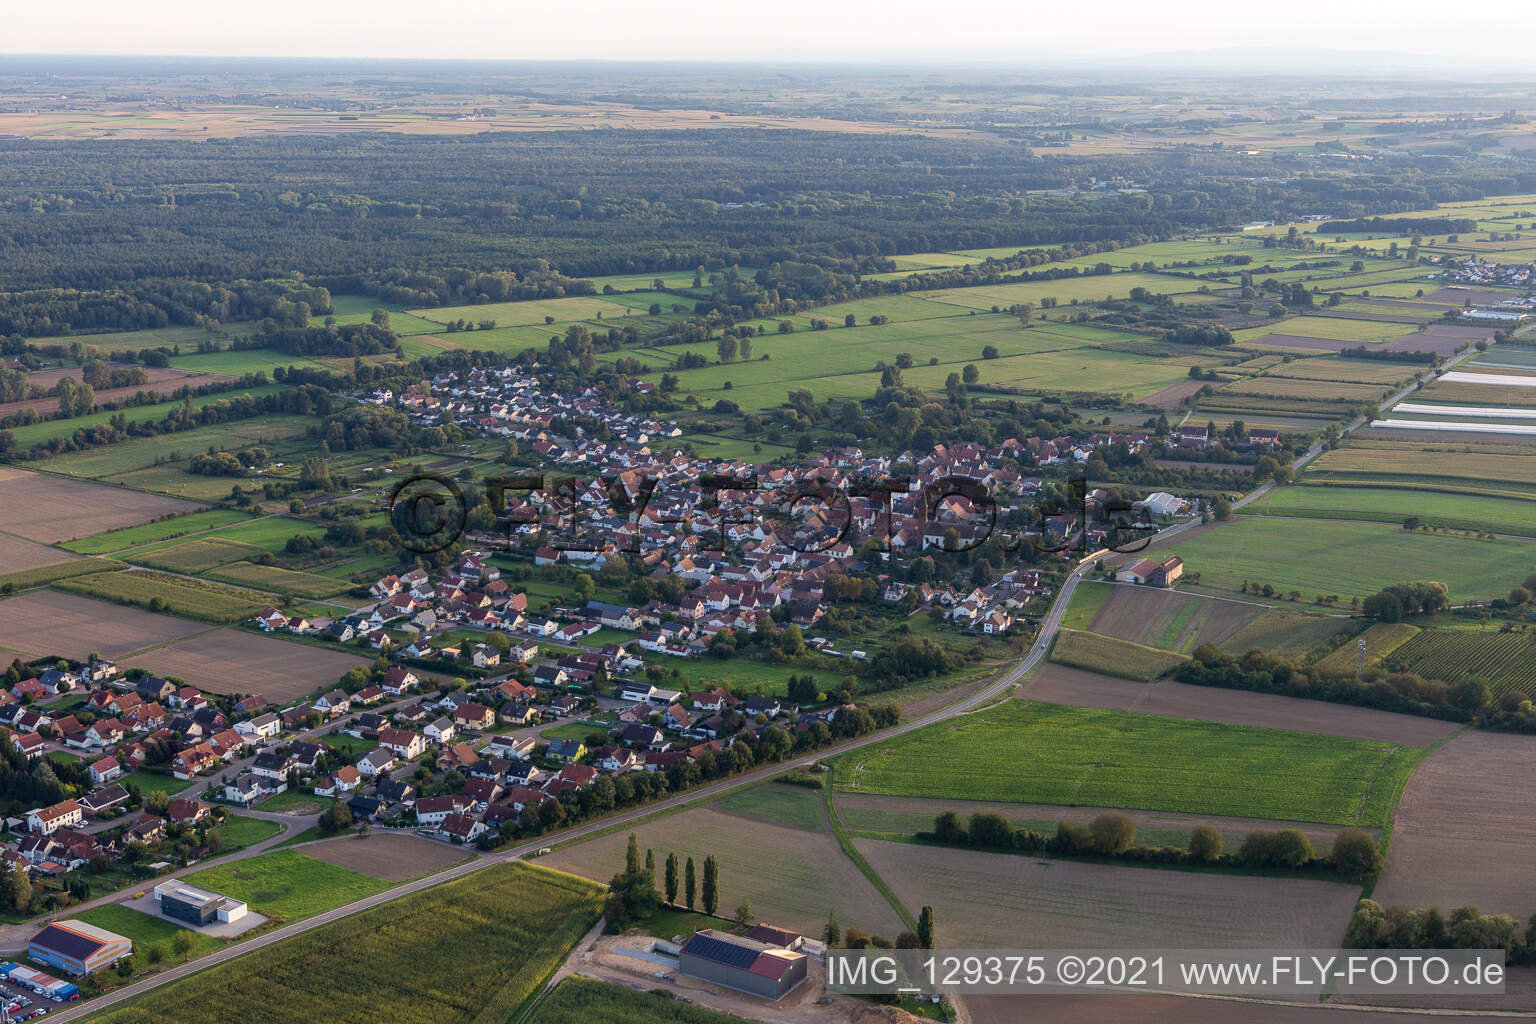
[
  {"x": 757, "y": 968},
  {"x": 196, "y": 906},
  {"x": 78, "y": 948}
]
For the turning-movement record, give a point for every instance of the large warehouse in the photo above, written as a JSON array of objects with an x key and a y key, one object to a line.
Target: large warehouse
[
  {"x": 757, "y": 968},
  {"x": 196, "y": 906},
  {"x": 78, "y": 948}
]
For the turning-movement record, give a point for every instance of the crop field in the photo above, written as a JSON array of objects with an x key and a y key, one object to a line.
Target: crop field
[
  {"x": 287, "y": 885},
  {"x": 153, "y": 337},
  {"x": 1112, "y": 656},
  {"x": 1465, "y": 392},
  {"x": 151, "y": 533},
  {"x": 238, "y": 363},
  {"x": 1168, "y": 619},
  {"x": 999, "y": 900},
  {"x": 144, "y": 452},
  {"x": 1348, "y": 559},
  {"x": 1427, "y": 465},
  {"x": 1272, "y": 386},
  {"x": 1286, "y": 632},
  {"x": 1454, "y": 654},
  {"x": 1463, "y": 834},
  {"x": 179, "y": 595},
  {"x": 392, "y": 856},
  {"x": 793, "y": 876},
  {"x": 494, "y": 937},
  {"x": 1058, "y": 684},
  {"x": 1025, "y": 751},
  {"x": 1380, "y": 639},
  {"x": 18, "y": 554},
  {"x": 49, "y": 509},
  {"x": 578, "y": 1000},
  {"x": 532, "y": 312},
  {"x": 235, "y": 661},
  {"x": 196, "y": 556},
  {"x": 1393, "y": 505},
  {"x": 1089, "y": 288},
  {"x": 280, "y": 581},
  {"x": 1357, "y": 332},
  {"x": 779, "y": 803},
  {"x": 47, "y": 622},
  {"x": 1359, "y": 371}
]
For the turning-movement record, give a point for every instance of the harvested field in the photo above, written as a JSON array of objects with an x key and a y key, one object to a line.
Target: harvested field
[
  {"x": 49, "y": 509},
  {"x": 1171, "y": 396},
  {"x": 17, "y": 554},
  {"x": 870, "y": 812},
  {"x": 234, "y": 661},
  {"x": 1058, "y": 684},
  {"x": 392, "y": 856},
  {"x": 1007, "y": 901},
  {"x": 1442, "y": 341},
  {"x": 793, "y": 877},
  {"x": 47, "y": 622},
  {"x": 1466, "y": 829},
  {"x": 1168, "y": 619}
]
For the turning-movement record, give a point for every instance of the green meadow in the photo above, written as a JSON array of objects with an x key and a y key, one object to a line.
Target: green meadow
[{"x": 1025, "y": 752}]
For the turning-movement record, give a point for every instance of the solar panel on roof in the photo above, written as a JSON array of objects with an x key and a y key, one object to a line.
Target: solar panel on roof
[{"x": 727, "y": 953}]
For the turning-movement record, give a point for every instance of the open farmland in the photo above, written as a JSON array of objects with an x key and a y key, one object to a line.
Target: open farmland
[
  {"x": 1000, "y": 900},
  {"x": 1112, "y": 656},
  {"x": 1462, "y": 469},
  {"x": 579, "y": 1000},
  {"x": 17, "y": 554},
  {"x": 1044, "y": 753},
  {"x": 49, "y": 509},
  {"x": 196, "y": 556},
  {"x": 234, "y": 661},
  {"x": 1503, "y": 659},
  {"x": 493, "y": 938},
  {"x": 1380, "y": 640},
  {"x": 392, "y": 856},
  {"x": 793, "y": 876},
  {"x": 1393, "y": 505},
  {"x": 1168, "y": 619},
  {"x": 160, "y": 530},
  {"x": 1464, "y": 834},
  {"x": 874, "y": 816},
  {"x": 47, "y": 622},
  {"x": 1348, "y": 559},
  {"x": 1058, "y": 684},
  {"x": 179, "y": 595}
]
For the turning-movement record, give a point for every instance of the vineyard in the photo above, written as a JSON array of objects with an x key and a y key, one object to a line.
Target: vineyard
[{"x": 1507, "y": 660}]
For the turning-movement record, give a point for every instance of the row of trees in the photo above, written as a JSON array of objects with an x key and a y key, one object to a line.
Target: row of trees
[
  {"x": 632, "y": 894},
  {"x": 1355, "y": 854}
]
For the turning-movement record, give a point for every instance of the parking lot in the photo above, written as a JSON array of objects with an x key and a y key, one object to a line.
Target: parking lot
[{"x": 23, "y": 1003}]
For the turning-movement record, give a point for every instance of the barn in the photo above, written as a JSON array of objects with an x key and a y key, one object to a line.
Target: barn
[
  {"x": 78, "y": 948},
  {"x": 757, "y": 968}
]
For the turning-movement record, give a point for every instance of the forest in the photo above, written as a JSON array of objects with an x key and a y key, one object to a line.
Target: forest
[{"x": 98, "y": 235}]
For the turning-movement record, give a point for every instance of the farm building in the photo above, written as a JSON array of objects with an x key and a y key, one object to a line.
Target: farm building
[
  {"x": 196, "y": 906},
  {"x": 757, "y": 968},
  {"x": 1152, "y": 572},
  {"x": 77, "y": 947}
]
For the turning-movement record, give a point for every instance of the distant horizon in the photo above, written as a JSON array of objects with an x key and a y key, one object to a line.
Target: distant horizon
[
  {"x": 1238, "y": 61},
  {"x": 1414, "y": 33}
]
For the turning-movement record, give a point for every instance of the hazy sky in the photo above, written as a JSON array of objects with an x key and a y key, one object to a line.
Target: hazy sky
[{"x": 781, "y": 30}]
